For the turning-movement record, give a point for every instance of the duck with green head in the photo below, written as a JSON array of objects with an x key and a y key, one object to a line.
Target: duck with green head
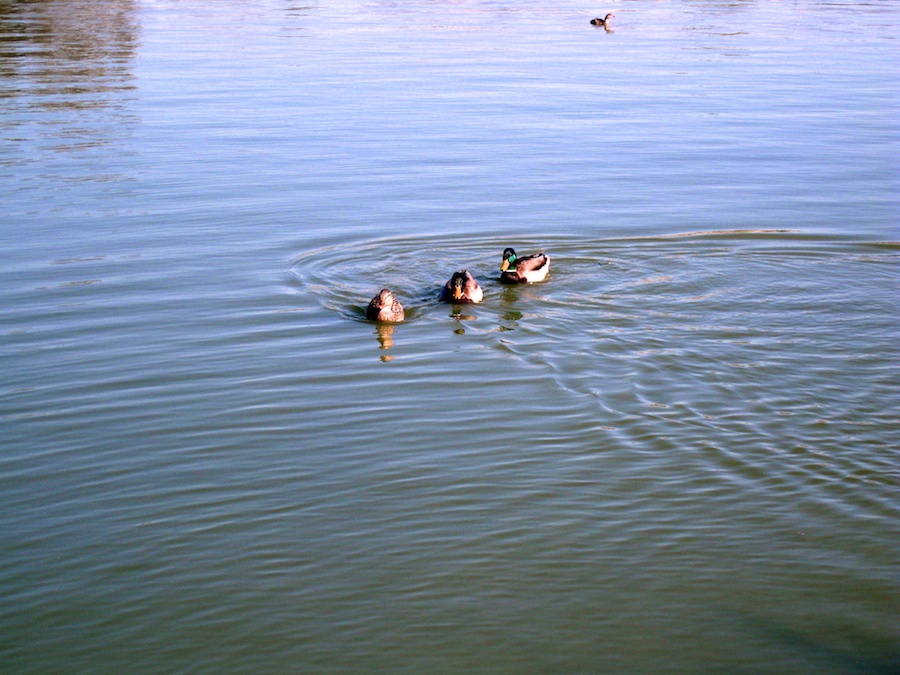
[
  {"x": 525, "y": 270},
  {"x": 462, "y": 289}
]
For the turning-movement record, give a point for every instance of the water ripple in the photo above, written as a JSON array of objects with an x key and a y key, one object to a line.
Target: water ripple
[{"x": 704, "y": 336}]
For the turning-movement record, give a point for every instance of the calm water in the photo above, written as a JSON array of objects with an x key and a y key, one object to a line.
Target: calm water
[{"x": 677, "y": 454}]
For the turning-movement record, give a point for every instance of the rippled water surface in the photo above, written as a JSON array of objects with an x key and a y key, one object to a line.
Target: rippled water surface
[{"x": 677, "y": 454}]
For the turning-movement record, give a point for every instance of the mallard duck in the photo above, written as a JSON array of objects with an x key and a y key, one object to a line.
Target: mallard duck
[
  {"x": 462, "y": 288},
  {"x": 602, "y": 22},
  {"x": 384, "y": 307},
  {"x": 527, "y": 270}
]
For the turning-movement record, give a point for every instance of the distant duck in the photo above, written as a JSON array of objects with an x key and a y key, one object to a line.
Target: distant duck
[
  {"x": 602, "y": 22},
  {"x": 527, "y": 270},
  {"x": 462, "y": 288},
  {"x": 385, "y": 308}
]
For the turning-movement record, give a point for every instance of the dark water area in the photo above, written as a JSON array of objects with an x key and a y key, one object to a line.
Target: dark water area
[{"x": 677, "y": 454}]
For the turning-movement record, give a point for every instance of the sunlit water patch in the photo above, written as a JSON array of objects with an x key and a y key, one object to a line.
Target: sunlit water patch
[
  {"x": 727, "y": 352},
  {"x": 696, "y": 322}
]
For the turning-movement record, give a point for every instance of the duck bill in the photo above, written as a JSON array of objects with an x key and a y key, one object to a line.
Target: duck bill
[
  {"x": 457, "y": 292},
  {"x": 504, "y": 266}
]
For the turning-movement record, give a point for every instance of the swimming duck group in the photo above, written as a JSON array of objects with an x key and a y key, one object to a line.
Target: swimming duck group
[{"x": 462, "y": 288}]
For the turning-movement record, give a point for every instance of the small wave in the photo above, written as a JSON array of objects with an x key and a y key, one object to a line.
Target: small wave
[{"x": 587, "y": 275}]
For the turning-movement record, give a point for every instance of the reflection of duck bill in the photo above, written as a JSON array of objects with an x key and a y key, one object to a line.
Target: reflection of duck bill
[
  {"x": 464, "y": 317},
  {"x": 385, "y": 335}
]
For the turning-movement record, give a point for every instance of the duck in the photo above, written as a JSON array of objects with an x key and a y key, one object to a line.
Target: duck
[
  {"x": 527, "y": 270},
  {"x": 462, "y": 289},
  {"x": 602, "y": 22},
  {"x": 385, "y": 308}
]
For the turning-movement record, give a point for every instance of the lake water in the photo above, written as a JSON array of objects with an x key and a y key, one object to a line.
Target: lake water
[{"x": 678, "y": 454}]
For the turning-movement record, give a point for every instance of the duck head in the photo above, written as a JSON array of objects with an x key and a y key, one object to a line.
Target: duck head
[{"x": 509, "y": 259}]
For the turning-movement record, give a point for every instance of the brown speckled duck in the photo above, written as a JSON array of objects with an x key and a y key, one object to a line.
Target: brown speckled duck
[
  {"x": 461, "y": 289},
  {"x": 527, "y": 270},
  {"x": 385, "y": 308}
]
